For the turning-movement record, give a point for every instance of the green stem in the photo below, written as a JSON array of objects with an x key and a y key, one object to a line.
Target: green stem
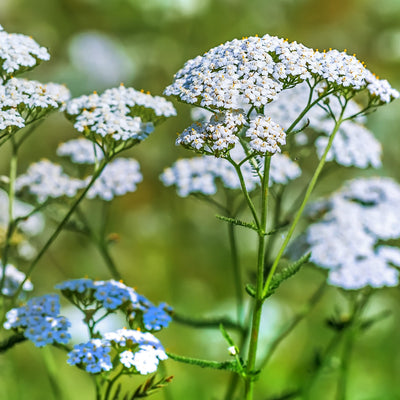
[
  {"x": 237, "y": 275},
  {"x": 258, "y": 300},
  {"x": 245, "y": 192},
  {"x": 299, "y": 213},
  {"x": 60, "y": 226}
]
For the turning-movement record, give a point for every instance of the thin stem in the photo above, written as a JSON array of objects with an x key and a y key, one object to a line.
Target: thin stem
[
  {"x": 299, "y": 213},
  {"x": 60, "y": 226},
  {"x": 258, "y": 301},
  {"x": 237, "y": 275},
  {"x": 344, "y": 367},
  {"x": 245, "y": 192}
]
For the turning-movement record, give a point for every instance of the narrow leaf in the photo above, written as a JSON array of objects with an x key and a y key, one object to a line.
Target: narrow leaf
[
  {"x": 238, "y": 222},
  {"x": 286, "y": 273}
]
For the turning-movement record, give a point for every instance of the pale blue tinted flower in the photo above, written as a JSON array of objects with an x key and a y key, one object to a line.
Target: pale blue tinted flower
[
  {"x": 113, "y": 294},
  {"x": 348, "y": 241},
  {"x": 118, "y": 178},
  {"x": 40, "y": 321},
  {"x": 93, "y": 356},
  {"x": 13, "y": 279},
  {"x": 76, "y": 285},
  {"x": 47, "y": 180},
  {"x": 157, "y": 317},
  {"x": 81, "y": 151}
]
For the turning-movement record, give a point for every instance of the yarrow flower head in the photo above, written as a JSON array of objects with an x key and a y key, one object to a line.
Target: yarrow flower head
[
  {"x": 255, "y": 69},
  {"x": 216, "y": 136},
  {"x": 93, "y": 356},
  {"x": 81, "y": 151},
  {"x": 265, "y": 135},
  {"x": 354, "y": 144},
  {"x": 46, "y": 180},
  {"x": 19, "y": 53},
  {"x": 114, "y": 295},
  {"x": 118, "y": 115},
  {"x": 118, "y": 178},
  {"x": 246, "y": 76},
  {"x": 141, "y": 350},
  {"x": 39, "y": 321},
  {"x": 24, "y": 101},
  {"x": 12, "y": 280},
  {"x": 349, "y": 240}
]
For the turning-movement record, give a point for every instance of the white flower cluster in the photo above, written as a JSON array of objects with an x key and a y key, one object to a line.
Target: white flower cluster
[
  {"x": 23, "y": 101},
  {"x": 81, "y": 151},
  {"x": 13, "y": 278},
  {"x": 254, "y": 70},
  {"x": 217, "y": 136},
  {"x": 119, "y": 113},
  {"x": 354, "y": 145},
  {"x": 142, "y": 350},
  {"x": 19, "y": 53},
  {"x": 47, "y": 180},
  {"x": 118, "y": 178},
  {"x": 265, "y": 135},
  {"x": 348, "y": 239},
  {"x": 200, "y": 174}
]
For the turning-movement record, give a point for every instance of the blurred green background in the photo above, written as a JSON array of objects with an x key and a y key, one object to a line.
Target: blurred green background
[{"x": 173, "y": 249}]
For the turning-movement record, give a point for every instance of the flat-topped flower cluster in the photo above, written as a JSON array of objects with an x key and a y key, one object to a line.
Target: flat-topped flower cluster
[
  {"x": 138, "y": 352},
  {"x": 350, "y": 239},
  {"x": 120, "y": 114},
  {"x": 245, "y": 76}
]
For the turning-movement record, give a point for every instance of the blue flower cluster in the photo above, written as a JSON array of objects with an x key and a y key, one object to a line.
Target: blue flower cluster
[
  {"x": 93, "y": 356},
  {"x": 155, "y": 317},
  {"x": 39, "y": 320},
  {"x": 114, "y": 295}
]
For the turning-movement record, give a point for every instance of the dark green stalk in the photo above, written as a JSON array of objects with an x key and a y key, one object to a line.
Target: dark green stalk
[
  {"x": 237, "y": 275},
  {"x": 258, "y": 300}
]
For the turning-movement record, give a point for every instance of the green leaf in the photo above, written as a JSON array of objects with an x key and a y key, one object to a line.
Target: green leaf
[
  {"x": 238, "y": 222},
  {"x": 286, "y": 273},
  {"x": 251, "y": 290},
  {"x": 226, "y": 335}
]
